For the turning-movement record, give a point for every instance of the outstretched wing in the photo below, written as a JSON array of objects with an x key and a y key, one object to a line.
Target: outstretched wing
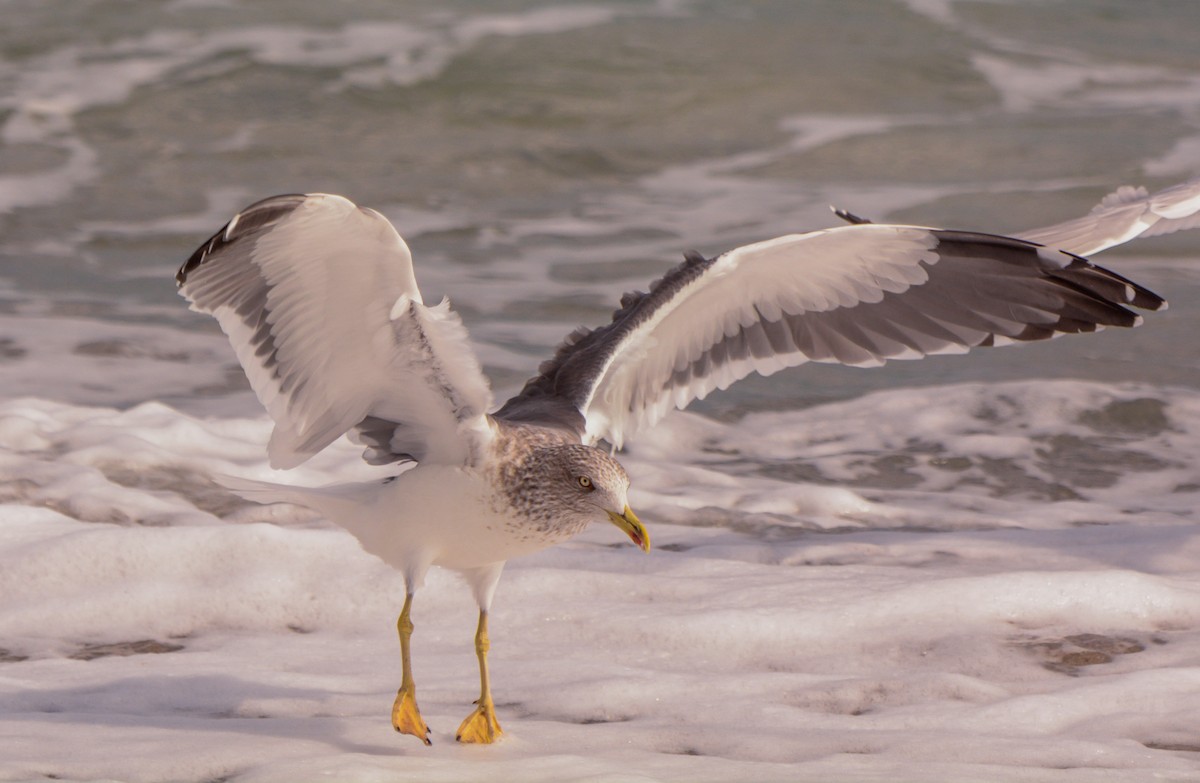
[
  {"x": 855, "y": 295},
  {"x": 1127, "y": 213},
  {"x": 320, "y": 303}
]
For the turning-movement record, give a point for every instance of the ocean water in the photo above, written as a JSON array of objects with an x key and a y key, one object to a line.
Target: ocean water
[{"x": 979, "y": 567}]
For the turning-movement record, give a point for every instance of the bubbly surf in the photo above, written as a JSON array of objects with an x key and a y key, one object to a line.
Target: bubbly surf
[{"x": 977, "y": 567}]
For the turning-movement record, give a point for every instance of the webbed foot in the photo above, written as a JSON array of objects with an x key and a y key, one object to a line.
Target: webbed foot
[
  {"x": 406, "y": 718},
  {"x": 481, "y": 725}
]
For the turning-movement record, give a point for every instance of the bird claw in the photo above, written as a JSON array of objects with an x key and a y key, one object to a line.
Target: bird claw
[{"x": 406, "y": 718}]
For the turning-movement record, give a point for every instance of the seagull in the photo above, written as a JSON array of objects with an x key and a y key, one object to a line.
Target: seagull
[{"x": 320, "y": 303}]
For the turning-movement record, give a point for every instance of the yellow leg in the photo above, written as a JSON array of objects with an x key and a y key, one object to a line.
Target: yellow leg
[
  {"x": 406, "y": 718},
  {"x": 481, "y": 725}
]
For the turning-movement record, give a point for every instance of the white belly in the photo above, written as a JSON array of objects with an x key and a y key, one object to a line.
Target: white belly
[{"x": 432, "y": 515}]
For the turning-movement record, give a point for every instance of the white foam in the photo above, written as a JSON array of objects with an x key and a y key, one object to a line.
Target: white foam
[
  {"x": 883, "y": 646},
  {"x": 107, "y": 363}
]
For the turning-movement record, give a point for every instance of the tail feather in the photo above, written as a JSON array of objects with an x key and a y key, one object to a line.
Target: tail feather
[
  {"x": 351, "y": 505},
  {"x": 265, "y": 492}
]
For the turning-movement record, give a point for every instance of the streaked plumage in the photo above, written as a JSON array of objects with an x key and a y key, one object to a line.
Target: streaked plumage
[{"x": 320, "y": 302}]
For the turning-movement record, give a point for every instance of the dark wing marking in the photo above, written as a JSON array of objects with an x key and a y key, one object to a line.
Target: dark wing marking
[
  {"x": 850, "y": 217},
  {"x": 855, "y": 295},
  {"x": 558, "y": 394}
]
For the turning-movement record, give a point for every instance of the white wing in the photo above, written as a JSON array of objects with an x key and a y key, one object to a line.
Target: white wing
[
  {"x": 1124, "y": 215},
  {"x": 855, "y": 295},
  {"x": 320, "y": 303}
]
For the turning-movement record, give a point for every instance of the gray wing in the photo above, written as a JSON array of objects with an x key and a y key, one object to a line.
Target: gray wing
[
  {"x": 319, "y": 301},
  {"x": 856, "y": 295}
]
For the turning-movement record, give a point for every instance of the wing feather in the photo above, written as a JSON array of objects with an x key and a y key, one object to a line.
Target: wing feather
[
  {"x": 857, "y": 295},
  {"x": 320, "y": 303},
  {"x": 1125, "y": 214}
]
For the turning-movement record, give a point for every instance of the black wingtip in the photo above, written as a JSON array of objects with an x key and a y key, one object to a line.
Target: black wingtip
[
  {"x": 849, "y": 217},
  {"x": 197, "y": 258},
  {"x": 253, "y": 217}
]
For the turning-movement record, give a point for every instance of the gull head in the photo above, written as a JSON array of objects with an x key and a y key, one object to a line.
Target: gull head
[{"x": 582, "y": 483}]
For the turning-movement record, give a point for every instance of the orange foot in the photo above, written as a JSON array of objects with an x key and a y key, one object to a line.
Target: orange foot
[
  {"x": 406, "y": 718},
  {"x": 481, "y": 725}
]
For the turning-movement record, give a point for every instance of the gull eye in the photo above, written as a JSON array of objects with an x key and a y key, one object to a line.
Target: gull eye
[{"x": 586, "y": 483}]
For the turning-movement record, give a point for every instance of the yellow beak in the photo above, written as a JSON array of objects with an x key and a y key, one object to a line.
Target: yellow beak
[{"x": 632, "y": 526}]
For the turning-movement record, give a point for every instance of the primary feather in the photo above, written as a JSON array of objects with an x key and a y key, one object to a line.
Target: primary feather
[{"x": 857, "y": 295}]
